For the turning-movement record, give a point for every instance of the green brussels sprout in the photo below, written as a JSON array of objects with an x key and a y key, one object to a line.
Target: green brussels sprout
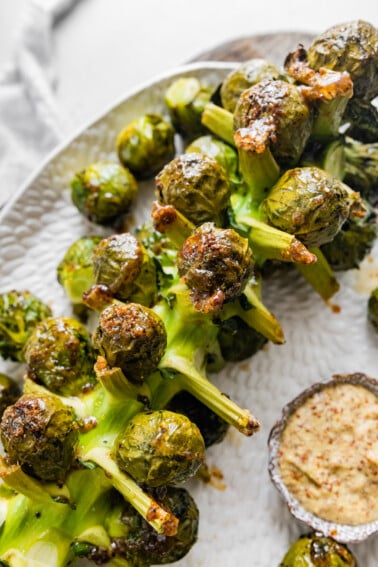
[
  {"x": 309, "y": 203},
  {"x": 352, "y": 47},
  {"x": 59, "y": 355},
  {"x": 9, "y": 392},
  {"x": 212, "y": 427},
  {"x": 146, "y": 145},
  {"x": 40, "y": 434},
  {"x": 353, "y": 242},
  {"x": 215, "y": 264},
  {"x": 318, "y": 551},
  {"x": 361, "y": 117},
  {"x": 144, "y": 544},
  {"x": 273, "y": 114},
  {"x": 20, "y": 312},
  {"x": 122, "y": 264},
  {"x": 131, "y": 337},
  {"x": 197, "y": 186},
  {"x": 159, "y": 448},
  {"x": 245, "y": 76},
  {"x": 373, "y": 308},
  {"x": 361, "y": 168},
  {"x": 103, "y": 192},
  {"x": 224, "y": 154},
  {"x": 238, "y": 341},
  {"x": 186, "y": 99},
  {"x": 75, "y": 270}
]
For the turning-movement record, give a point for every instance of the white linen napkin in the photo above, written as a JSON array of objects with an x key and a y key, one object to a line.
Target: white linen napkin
[{"x": 30, "y": 122}]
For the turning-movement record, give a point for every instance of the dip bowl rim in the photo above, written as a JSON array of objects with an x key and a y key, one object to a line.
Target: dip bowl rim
[{"x": 343, "y": 533}]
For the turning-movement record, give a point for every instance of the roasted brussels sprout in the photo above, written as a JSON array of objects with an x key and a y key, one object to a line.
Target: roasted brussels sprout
[
  {"x": 20, "y": 312},
  {"x": 9, "y": 392},
  {"x": 146, "y": 144},
  {"x": 123, "y": 265},
  {"x": 40, "y": 434},
  {"x": 145, "y": 544},
  {"x": 352, "y": 47},
  {"x": 159, "y": 448},
  {"x": 59, "y": 355},
  {"x": 308, "y": 203},
  {"x": 75, "y": 270},
  {"x": 103, "y": 192},
  {"x": 215, "y": 264},
  {"x": 361, "y": 118},
  {"x": 224, "y": 154},
  {"x": 245, "y": 76},
  {"x": 196, "y": 186},
  {"x": 238, "y": 341},
  {"x": 318, "y": 551},
  {"x": 131, "y": 337},
  {"x": 373, "y": 308},
  {"x": 212, "y": 427},
  {"x": 353, "y": 242},
  {"x": 186, "y": 99},
  {"x": 361, "y": 168},
  {"x": 273, "y": 114}
]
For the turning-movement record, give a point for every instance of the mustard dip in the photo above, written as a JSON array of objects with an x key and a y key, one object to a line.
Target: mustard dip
[{"x": 328, "y": 455}]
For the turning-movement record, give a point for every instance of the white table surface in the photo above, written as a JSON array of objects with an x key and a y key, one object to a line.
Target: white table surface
[{"x": 104, "y": 47}]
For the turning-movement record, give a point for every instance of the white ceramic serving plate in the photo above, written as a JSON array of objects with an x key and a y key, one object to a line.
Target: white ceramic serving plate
[{"x": 247, "y": 523}]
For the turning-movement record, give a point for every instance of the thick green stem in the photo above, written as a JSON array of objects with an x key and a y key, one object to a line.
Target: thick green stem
[
  {"x": 219, "y": 121},
  {"x": 320, "y": 275},
  {"x": 162, "y": 521},
  {"x": 170, "y": 221},
  {"x": 273, "y": 244},
  {"x": 260, "y": 171},
  {"x": 328, "y": 118}
]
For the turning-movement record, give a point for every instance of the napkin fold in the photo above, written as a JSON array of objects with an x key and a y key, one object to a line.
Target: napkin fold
[{"x": 31, "y": 123}]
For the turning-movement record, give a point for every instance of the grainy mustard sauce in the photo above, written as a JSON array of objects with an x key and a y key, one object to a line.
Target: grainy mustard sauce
[{"x": 328, "y": 454}]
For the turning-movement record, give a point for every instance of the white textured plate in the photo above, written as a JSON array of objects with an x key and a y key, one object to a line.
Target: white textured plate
[{"x": 247, "y": 523}]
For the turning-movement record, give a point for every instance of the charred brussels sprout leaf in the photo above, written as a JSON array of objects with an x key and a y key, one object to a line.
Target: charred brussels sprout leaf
[
  {"x": 103, "y": 192},
  {"x": 186, "y": 99},
  {"x": 40, "y": 434},
  {"x": 131, "y": 337},
  {"x": 373, "y": 308},
  {"x": 213, "y": 428},
  {"x": 353, "y": 242},
  {"x": 238, "y": 341},
  {"x": 361, "y": 168},
  {"x": 75, "y": 270},
  {"x": 362, "y": 119},
  {"x": 123, "y": 265},
  {"x": 20, "y": 312},
  {"x": 159, "y": 448},
  {"x": 59, "y": 355},
  {"x": 215, "y": 264},
  {"x": 9, "y": 392},
  {"x": 146, "y": 144},
  {"x": 151, "y": 548},
  {"x": 308, "y": 203},
  {"x": 318, "y": 551},
  {"x": 351, "y": 47},
  {"x": 245, "y": 76},
  {"x": 197, "y": 187},
  {"x": 273, "y": 114}
]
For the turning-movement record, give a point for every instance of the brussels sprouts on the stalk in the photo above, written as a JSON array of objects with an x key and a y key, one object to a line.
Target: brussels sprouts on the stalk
[
  {"x": 20, "y": 312},
  {"x": 59, "y": 355},
  {"x": 160, "y": 447},
  {"x": 197, "y": 186},
  {"x": 186, "y": 99},
  {"x": 245, "y": 76},
  {"x": 103, "y": 192},
  {"x": 123, "y": 265},
  {"x": 146, "y": 144},
  {"x": 9, "y": 392},
  {"x": 361, "y": 168}
]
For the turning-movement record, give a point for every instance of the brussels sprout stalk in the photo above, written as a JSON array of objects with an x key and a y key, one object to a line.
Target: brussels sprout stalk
[
  {"x": 320, "y": 275},
  {"x": 220, "y": 122}
]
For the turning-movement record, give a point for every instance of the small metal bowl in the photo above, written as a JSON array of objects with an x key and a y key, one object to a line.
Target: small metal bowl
[{"x": 344, "y": 533}]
